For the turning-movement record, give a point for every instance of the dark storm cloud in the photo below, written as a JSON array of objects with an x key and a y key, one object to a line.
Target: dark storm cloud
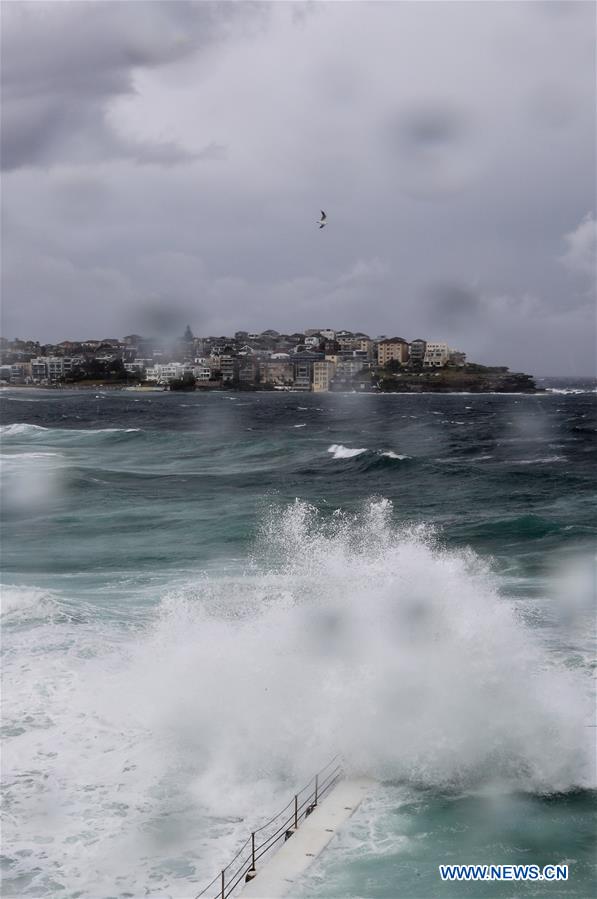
[{"x": 62, "y": 65}]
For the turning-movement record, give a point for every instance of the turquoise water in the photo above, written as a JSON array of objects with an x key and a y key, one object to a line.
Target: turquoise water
[{"x": 207, "y": 596}]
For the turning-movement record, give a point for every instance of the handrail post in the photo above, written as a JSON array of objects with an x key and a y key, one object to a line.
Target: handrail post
[{"x": 329, "y": 780}]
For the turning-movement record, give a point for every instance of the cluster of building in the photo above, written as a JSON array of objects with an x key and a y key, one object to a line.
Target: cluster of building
[{"x": 316, "y": 359}]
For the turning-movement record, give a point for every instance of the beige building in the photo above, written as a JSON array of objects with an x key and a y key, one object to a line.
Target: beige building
[
  {"x": 393, "y": 348},
  {"x": 323, "y": 372}
]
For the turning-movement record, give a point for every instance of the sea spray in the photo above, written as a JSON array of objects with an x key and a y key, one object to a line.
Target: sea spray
[
  {"x": 344, "y": 634},
  {"x": 351, "y": 635}
]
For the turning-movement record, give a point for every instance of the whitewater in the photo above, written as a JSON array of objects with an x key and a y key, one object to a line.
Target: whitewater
[{"x": 197, "y": 616}]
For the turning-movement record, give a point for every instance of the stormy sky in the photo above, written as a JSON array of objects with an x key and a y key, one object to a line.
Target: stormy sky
[{"x": 165, "y": 163}]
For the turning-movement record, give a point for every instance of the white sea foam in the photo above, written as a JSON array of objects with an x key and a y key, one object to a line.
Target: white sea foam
[
  {"x": 136, "y": 753},
  {"x": 392, "y": 455},
  {"x": 572, "y": 391},
  {"x": 344, "y": 452},
  {"x": 18, "y": 458},
  {"x": 24, "y": 602},
  {"x": 20, "y": 429},
  {"x": 91, "y": 431},
  {"x": 544, "y": 460}
]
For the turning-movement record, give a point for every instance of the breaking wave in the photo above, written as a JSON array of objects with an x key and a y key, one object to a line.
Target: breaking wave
[
  {"x": 18, "y": 601},
  {"x": 344, "y": 634},
  {"x": 339, "y": 451},
  {"x": 22, "y": 429}
]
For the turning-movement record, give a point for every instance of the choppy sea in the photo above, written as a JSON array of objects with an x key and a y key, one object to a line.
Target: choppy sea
[{"x": 206, "y": 596}]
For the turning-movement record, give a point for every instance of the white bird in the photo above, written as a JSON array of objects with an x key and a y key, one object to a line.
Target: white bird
[{"x": 322, "y": 221}]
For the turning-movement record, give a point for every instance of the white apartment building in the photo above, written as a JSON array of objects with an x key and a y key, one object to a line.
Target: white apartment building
[
  {"x": 18, "y": 372},
  {"x": 311, "y": 342},
  {"x": 436, "y": 354},
  {"x": 53, "y": 368},
  {"x": 202, "y": 371},
  {"x": 169, "y": 371},
  {"x": 39, "y": 368},
  {"x": 349, "y": 366}
]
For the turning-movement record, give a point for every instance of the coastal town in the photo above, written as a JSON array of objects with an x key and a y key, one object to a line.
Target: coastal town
[{"x": 315, "y": 360}]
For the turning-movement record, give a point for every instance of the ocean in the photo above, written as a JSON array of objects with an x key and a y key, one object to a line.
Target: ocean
[{"x": 206, "y": 596}]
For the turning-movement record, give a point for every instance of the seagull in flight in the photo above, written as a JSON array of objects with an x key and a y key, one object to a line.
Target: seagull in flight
[{"x": 322, "y": 221}]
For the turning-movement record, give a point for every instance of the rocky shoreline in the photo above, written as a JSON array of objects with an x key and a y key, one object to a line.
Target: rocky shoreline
[{"x": 460, "y": 381}]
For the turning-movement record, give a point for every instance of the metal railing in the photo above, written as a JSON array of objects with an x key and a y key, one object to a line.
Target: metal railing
[{"x": 243, "y": 866}]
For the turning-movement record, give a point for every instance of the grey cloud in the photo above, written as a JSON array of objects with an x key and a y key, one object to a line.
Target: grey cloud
[
  {"x": 559, "y": 8},
  {"x": 451, "y": 304},
  {"x": 300, "y": 11},
  {"x": 63, "y": 64},
  {"x": 166, "y": 153},
  {"x": 552, "y": 106},
  {"x": 430, "y": 126},
  {"x": 213, "y": 151},
  {"x": 581, "y": 248},
  {"x": 434, "y": 145}
]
